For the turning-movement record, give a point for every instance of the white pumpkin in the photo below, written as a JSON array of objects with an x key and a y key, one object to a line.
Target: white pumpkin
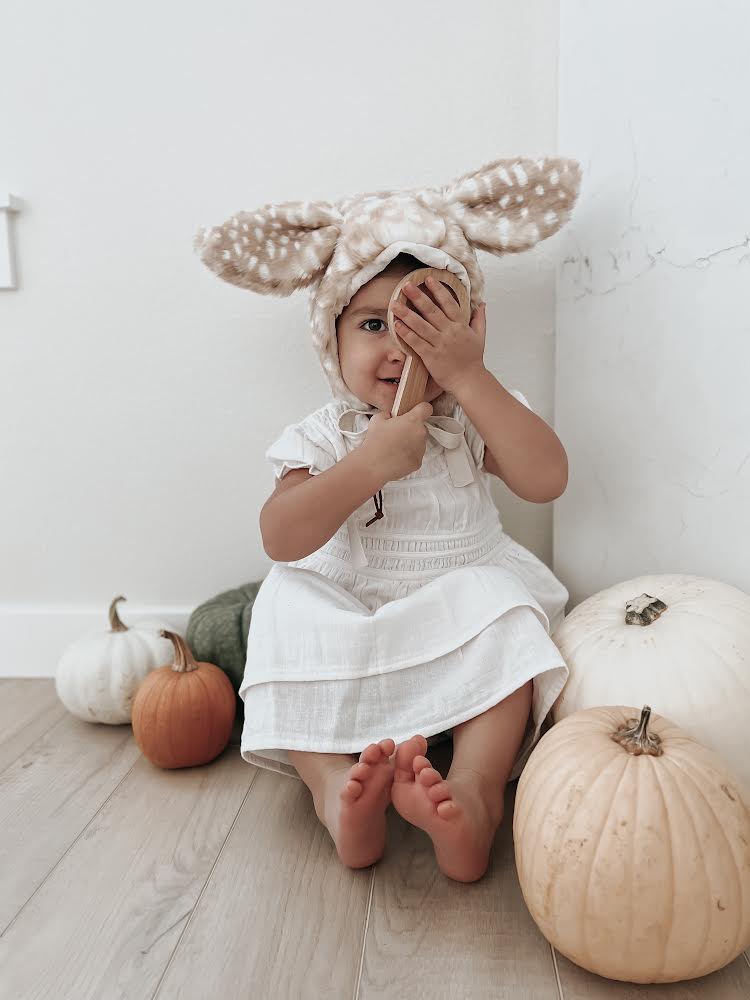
[
  {"x": 632, "y": 846},
  {"x": 679, "y": 643},
  {"x": 98, "y": 675}
]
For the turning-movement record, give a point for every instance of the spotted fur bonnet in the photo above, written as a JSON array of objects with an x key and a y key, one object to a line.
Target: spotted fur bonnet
[{"x": 506, "y": 206}]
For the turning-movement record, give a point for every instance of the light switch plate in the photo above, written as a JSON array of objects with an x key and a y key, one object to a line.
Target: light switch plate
[{"x": 8, "y": 203}]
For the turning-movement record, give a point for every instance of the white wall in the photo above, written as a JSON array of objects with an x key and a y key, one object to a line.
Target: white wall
[
  {"x": 653, "y": 317},
  {"x": 137, "y": 391}
]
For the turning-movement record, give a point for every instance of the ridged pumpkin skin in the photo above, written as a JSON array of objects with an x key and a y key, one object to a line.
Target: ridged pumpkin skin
[
  {"x": 635, "y": 867},
  {"x": 677, "y": 641},
  {"x": 183, "y": 713},
  {"x": 98, "y": 675}
]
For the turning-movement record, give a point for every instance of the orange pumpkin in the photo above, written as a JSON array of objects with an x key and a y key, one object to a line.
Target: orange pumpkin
[{"x": 183, "y": 712}]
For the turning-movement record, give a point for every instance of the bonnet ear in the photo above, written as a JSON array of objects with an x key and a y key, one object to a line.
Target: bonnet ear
[
  {"x": 510, "y": 205},
  {"x": 274, "y": 250}
]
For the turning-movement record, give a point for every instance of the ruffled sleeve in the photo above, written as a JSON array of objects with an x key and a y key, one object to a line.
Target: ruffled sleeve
[
  {"x": 304, "y": 445},
  {"x": 473, "y": 438}
]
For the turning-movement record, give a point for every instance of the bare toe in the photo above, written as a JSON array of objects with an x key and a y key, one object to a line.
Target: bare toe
[
  {"x": 406, "y": 753},
  {"x": 425, "y": 773},
  {"x": 355, "y": 786},
  {"x": 373, "y": 754}
]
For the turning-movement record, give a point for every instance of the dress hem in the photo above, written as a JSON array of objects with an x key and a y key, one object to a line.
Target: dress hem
[{"x": 431, "y": 729}]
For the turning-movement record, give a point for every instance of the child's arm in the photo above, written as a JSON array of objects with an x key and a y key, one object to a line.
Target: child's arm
[
  {"x": 520, "y": 447},
  {"x": 305, "y": 511}
]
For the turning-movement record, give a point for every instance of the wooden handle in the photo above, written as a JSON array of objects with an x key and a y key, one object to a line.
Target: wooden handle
[{"x": 414, "y": 377}]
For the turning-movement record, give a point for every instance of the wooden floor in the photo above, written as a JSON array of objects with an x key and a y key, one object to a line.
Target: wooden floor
[{"x": 118, "y": 879}]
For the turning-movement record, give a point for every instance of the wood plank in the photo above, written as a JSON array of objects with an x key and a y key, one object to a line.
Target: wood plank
[
  {"x": 429, "y": 936},
  {"x": 29, "y": 707},
  {"x": 59, "y": 771},
  {"x": 136, "y": 906},
  {"x": 107, "y": 919},
  {"x": 50, "y": 793},
  {"x": 281, "y": 916}
]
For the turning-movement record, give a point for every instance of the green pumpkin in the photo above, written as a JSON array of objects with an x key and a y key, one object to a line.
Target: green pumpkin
[{"x": 217, "y": 633}]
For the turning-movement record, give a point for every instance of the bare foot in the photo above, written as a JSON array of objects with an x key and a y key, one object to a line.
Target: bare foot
[
  {"x": 354, "y": 801},
  {"x": 460, "y": 814}
]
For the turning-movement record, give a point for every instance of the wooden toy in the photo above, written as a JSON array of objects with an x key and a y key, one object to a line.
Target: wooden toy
[{"x": 411, "y": 389}]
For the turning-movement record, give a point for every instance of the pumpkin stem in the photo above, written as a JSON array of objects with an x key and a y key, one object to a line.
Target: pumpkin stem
[
  {"x": 115, "y": 625},
  {"x": 633, "y": 737},
  {"x": 184, "y": 661},
  {"x": 643, "y": 610}
]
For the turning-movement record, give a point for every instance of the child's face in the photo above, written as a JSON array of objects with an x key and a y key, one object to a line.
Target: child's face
[{"x": 367, "y": 351}]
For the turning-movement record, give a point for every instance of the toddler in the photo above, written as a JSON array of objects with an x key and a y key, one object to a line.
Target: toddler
[{"x": 397, "y": 612}]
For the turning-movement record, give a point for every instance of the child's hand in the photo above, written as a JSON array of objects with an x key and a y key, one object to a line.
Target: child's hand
[
  {"x": 449, "y": 347},
  {"x": 396, "y": 445}
]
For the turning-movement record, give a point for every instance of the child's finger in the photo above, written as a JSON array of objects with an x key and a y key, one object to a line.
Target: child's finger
[{"x": 444, "y": 298}]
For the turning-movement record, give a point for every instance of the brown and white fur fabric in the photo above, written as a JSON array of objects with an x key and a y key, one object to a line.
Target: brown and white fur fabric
[{"x": 506, "y": 206}]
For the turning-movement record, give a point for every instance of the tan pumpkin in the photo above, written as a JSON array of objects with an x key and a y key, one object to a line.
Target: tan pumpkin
[
  {"x": 183, "y": 712},
  {"x": 632, "y": 846}
]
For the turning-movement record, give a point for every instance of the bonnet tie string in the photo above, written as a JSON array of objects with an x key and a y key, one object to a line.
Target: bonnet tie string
[
  {"x": 447, "y": 432},
  {"x": 378, "y": 508}
]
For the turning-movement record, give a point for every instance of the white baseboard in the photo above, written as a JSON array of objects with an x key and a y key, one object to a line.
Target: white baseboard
[{"x": 33, "y": 638}]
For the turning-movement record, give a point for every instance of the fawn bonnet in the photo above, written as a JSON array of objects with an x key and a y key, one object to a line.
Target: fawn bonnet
[{"x": 333, "y": 248}]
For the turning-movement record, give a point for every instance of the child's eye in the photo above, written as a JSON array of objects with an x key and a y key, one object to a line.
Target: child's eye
[{"x": 373, "y": 321}]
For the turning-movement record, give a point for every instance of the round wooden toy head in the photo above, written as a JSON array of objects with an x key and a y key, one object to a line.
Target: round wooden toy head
[{"x": 414, "y": 377}]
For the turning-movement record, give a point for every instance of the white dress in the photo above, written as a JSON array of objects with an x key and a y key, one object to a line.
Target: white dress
[{"x": 423, "y": 619}]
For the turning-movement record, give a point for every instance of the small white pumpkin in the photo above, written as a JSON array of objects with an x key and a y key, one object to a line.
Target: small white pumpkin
[
  {"x": 98, "y": 675},
  {"x": 680, "y": 643},
  {"x": 632, "y": 846}
]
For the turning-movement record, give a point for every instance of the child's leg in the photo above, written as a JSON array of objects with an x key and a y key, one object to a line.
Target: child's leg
[
  {"x": 351, "y": 794},
  {"x": 462, "y": 812},
  {"x": 486, "y": 746}
]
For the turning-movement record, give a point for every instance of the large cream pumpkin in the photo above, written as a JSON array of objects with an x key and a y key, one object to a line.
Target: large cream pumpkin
[
  {"x": 679, "y": 643},
  {"x": 632, "y": 846}
]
